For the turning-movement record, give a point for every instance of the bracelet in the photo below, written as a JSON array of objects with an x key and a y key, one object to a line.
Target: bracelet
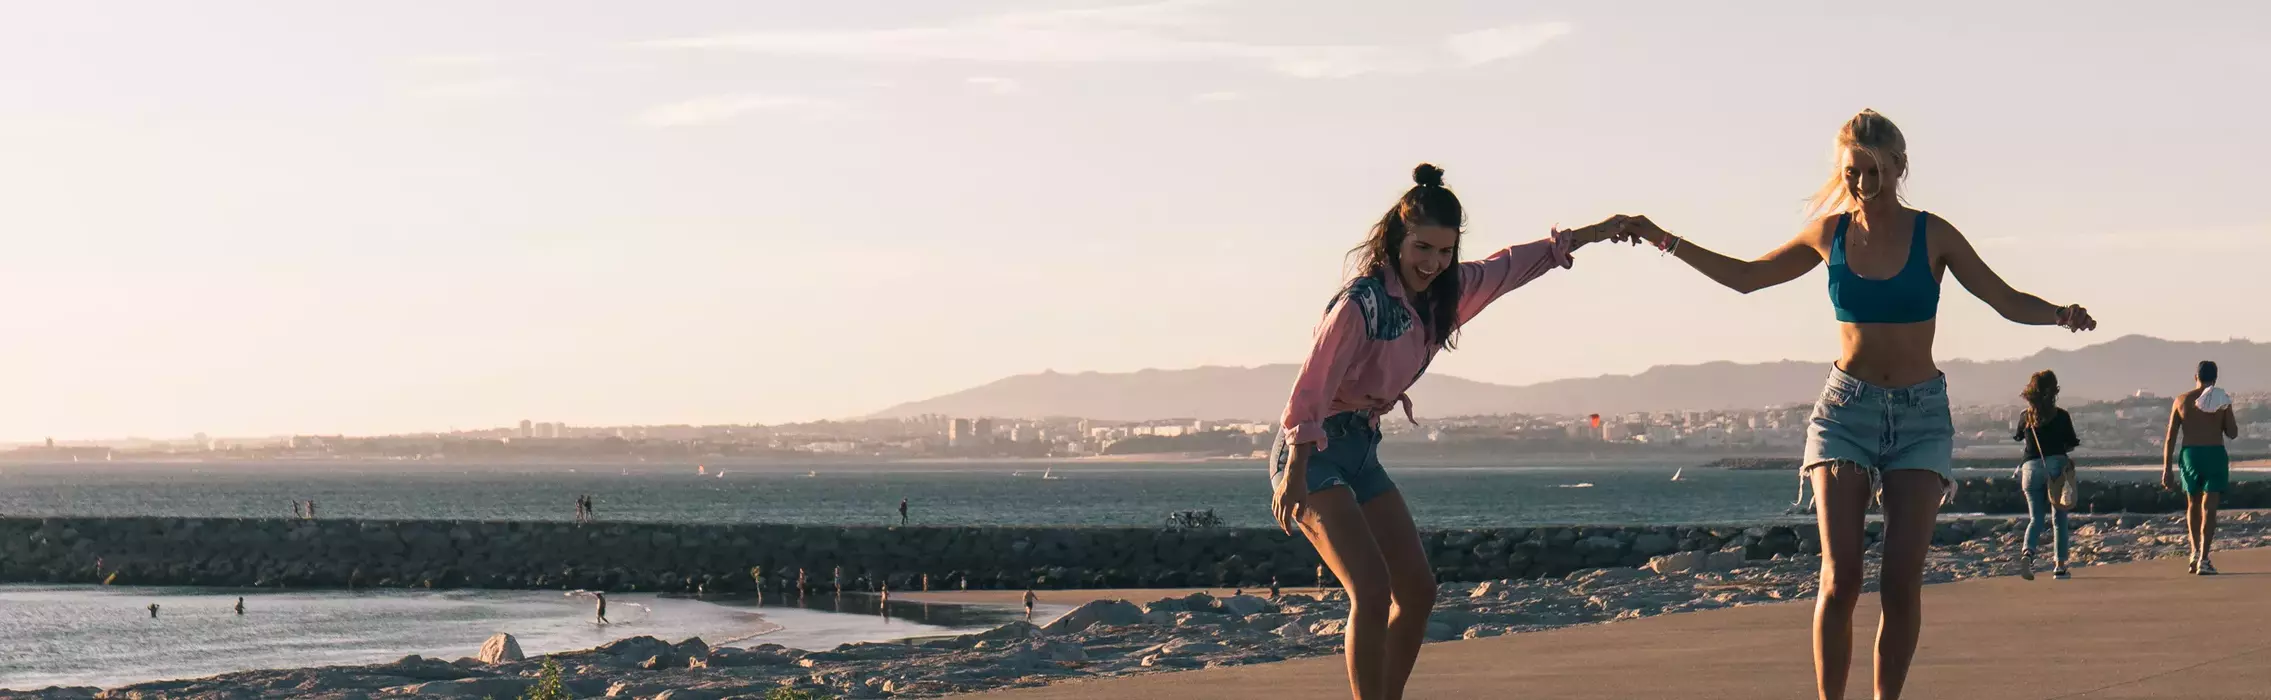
[{"x": 1673, "y": 248}]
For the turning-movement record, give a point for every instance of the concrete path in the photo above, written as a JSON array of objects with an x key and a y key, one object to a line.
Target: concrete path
[{"x": 2140, "y": 630}]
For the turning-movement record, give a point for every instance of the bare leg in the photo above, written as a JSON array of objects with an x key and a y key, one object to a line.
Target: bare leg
[
  {"x": 1912, "y": 503},
  {"x": 1335, "y": 525},
  {"x": 2192, "y": 526},
  {"x": 2208, "y": 504},
  {"x": 1411, "y": 586},
  {"x": 1841, "y": 504}
]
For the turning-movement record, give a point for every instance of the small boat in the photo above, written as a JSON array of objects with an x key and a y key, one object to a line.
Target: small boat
[
  {"x": 1580, "y": 485},
  {"x": 811, "y": 474},
  {"x": 1046, "y": 477},
  {"x": 1676, "y": 473}
]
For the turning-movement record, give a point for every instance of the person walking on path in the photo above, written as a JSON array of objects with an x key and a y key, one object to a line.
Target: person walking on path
[
  {"x": 1882, "y": 427},
  {"x": 2203, "y": 419},
  {"x": 2048, "y": 433},
  {"x": 1407, "y": 301}
]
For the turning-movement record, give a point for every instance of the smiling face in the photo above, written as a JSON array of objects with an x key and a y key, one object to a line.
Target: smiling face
[{"x": 1427, "y": 251}]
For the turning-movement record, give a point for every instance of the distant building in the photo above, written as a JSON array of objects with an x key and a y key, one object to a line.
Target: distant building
[
  {"x": 527, "y": 428},
  {"x": 958, "y": 433}
]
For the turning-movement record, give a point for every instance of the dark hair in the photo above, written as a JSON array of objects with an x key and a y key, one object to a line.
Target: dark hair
[
  {"x": 2208, "y": 372},
  {"x": 1427, "y": 203},
  {"x": 2041, "y": 395}
]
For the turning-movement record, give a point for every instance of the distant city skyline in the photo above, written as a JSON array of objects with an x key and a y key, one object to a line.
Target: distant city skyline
[{"x": 251, "y": 218}]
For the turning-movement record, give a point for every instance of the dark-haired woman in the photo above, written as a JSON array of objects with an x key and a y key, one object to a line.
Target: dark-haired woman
[
  {"x": 1409, "y": 296},
  {"x": 2048, "y": 433}
]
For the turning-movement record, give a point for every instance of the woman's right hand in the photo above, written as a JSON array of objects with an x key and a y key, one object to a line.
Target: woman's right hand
[{"x": 1292, "y": 494}]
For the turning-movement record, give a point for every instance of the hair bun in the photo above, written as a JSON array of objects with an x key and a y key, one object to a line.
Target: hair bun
[{"x": 1427, "y": 175}]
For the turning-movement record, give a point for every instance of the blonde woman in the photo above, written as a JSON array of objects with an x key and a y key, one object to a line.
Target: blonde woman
[{"x": 1882, "y": 426}]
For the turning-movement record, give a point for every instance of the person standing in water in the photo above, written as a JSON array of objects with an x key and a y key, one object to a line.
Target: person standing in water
[
  {"x": 1882, "y": 426},
  {"x": 902, "y": 512},
  {"x": 2203, "y": 419},
  {"x": 153, "y": 611},
  {"x": 2049, "y": 435},
  {"x": 1028, "y": 603},
  {"x": 602, "y": 607},
  {"x": 1408, "y": 299},
  {"x": 240, "y": 605}
]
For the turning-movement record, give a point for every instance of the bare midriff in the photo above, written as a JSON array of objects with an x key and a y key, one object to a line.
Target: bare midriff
[{"x": 1890, "y": 355}]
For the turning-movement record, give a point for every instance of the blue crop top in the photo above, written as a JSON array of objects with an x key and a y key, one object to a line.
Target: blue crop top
[{"x": 1911, "y": 296}]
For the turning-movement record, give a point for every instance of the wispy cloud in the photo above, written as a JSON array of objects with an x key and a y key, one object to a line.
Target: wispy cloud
[
  {"x": 1217, "y": 96},
  {"x": 1486, "y": 45},
  {"x": 998, "y": 86},
  {"x": 1158, "y": 32},
  {"x": 715, "y": 109}
]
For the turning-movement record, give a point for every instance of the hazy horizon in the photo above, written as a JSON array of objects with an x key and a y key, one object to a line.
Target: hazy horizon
[{"x": 243, "y": 218}]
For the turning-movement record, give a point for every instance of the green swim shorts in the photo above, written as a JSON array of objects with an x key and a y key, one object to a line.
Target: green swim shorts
[{"x": 2205, "y": 468}]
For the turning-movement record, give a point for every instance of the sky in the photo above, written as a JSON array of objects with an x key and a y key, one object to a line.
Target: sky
[{"x": 255, "y": 218}]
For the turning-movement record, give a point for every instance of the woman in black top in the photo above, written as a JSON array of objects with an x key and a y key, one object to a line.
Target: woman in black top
[{"x": 2048, "y": 433}]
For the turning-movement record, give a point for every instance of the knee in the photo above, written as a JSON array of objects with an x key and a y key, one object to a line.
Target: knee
[
  {"x": 1841, "y": 588},
  {"x": 1415, "y": 591}
]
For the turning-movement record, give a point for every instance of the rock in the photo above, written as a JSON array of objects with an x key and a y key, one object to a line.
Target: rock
[
  {"x": 1107, "y": 612},
  {"x": 1439, "y": 632},
  {"x": 1193, "y": 647},
  {"x": 500, "y": 649},
  {"x": 1244, "y": 605},
  {"x": 490, "y": 687},
  {"x": 416, "y": 667},
  {"x": 1487, "y": 589},
  {"x": 1329, "y": 628},
  {"x": 1724, "y": 561},
  {"x": 1678, "y": 563},
  {"x": 729, "y": 657},
  {"x": 1062, "y": 651},
  {"x": 662, "y": 661},
  {"x": 689, "y": 694},
  {"x": 1652, "y": 544},
  {"x": 633, "y": 648},
  {"x": 692, "y": 648}
]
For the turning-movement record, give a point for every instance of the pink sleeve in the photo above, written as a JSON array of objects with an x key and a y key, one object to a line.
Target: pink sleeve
[
  {"x": 1484, "y": 281},
  {"x": 1340, "y": 339}
]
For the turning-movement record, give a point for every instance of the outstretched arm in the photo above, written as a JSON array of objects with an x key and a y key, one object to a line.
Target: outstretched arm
[
  {"x": 1982, "y": 282},
  {"x": 1788, "y": 262},
  {"x": 1484, "y": 281}
]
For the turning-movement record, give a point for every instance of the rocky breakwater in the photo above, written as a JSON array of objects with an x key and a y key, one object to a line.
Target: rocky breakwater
[
  {"x": 1115, "y": 638},
  {"x": 726, "y": 559}
]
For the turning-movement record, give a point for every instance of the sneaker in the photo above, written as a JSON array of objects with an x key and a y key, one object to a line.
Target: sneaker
[
  {"x": 2026, "y": 566},
  {"x": 2207, "y": 569},
  {"x": 2061, "y": 574}
]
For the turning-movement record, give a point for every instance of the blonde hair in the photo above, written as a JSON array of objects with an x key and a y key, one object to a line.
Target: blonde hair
[{"x": 1873, "y": 134}]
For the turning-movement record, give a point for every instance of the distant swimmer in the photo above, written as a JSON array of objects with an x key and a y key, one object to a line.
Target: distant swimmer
[
  {"x": 154, "y": 611},
  {"x": 602, "y": 607},
  {"x": 240, "y": 605}
]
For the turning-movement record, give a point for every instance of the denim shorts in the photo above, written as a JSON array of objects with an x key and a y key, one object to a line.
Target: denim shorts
[
  {"x": 1882, "y": 429},
  {"x": 1351, "y": 458}
]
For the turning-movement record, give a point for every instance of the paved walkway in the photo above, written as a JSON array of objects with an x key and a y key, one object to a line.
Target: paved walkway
[{"x": 2141, "y": 630}]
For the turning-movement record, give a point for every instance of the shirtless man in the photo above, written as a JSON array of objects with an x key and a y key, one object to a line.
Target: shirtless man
[{"x": 2203, "y": 418}]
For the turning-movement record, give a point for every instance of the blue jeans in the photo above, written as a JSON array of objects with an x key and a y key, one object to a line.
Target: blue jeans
[{"x": 2034, "y": 479}]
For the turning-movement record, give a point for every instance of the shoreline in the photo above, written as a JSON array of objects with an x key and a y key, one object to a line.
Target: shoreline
[{"x": 1187, "y": 628}]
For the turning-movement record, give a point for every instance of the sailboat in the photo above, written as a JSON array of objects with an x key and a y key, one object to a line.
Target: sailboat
[
  {"x": 1046, "y": 477},
  {"x": 1676, "y": 473}
]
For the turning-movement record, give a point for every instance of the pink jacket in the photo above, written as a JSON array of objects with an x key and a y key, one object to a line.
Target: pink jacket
[{"x": 1371, "y": 346}]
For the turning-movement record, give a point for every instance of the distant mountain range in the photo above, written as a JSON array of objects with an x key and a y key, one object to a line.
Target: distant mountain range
[{"x": 2105, "y": 371}]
